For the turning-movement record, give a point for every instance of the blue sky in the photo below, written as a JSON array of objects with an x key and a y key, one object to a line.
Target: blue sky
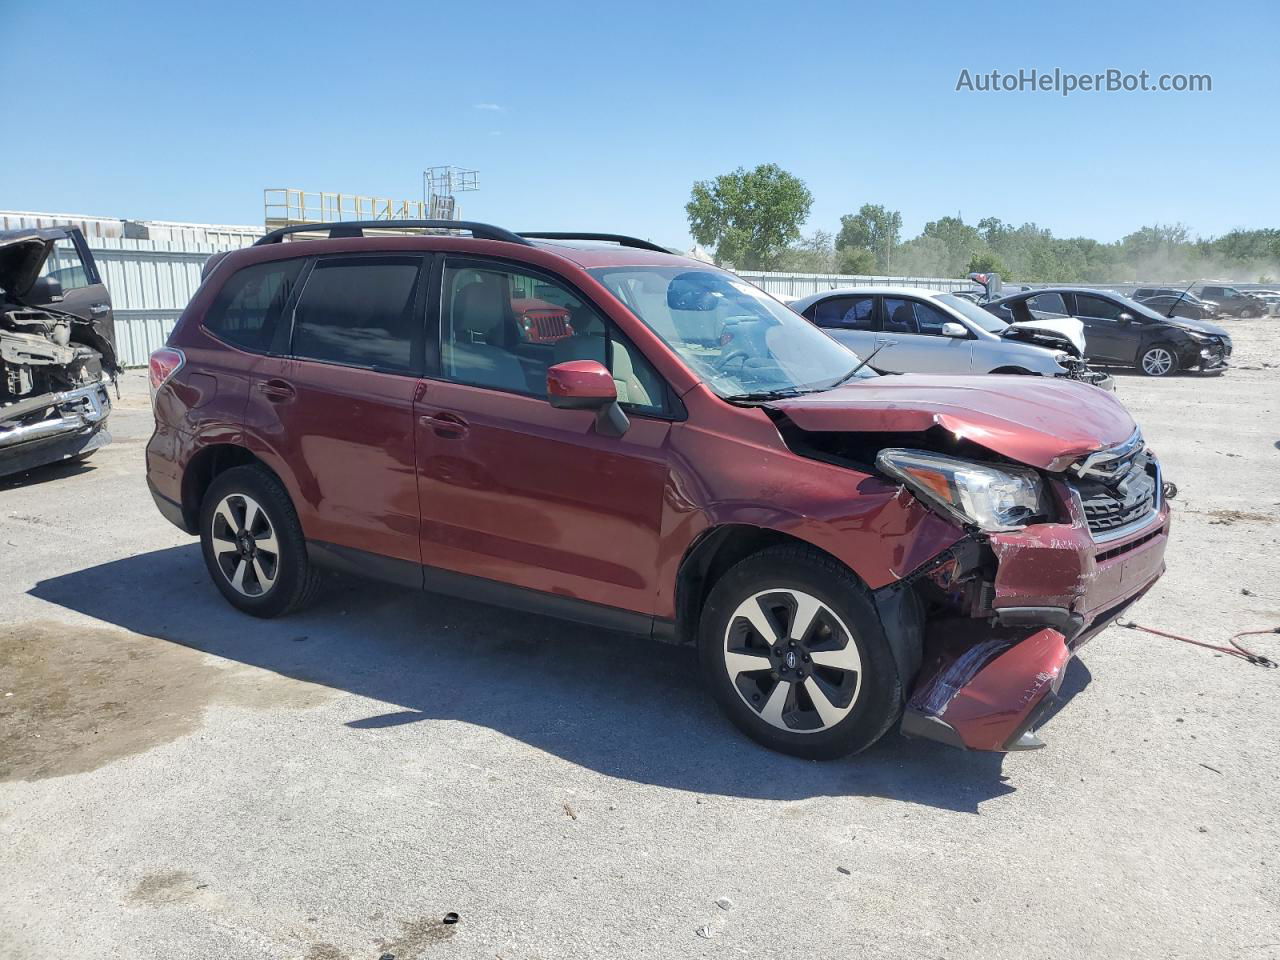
[{"x": 600, "y": 116}]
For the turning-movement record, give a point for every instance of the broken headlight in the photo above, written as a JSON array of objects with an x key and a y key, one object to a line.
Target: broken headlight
[{"x": 991, "y": 497}]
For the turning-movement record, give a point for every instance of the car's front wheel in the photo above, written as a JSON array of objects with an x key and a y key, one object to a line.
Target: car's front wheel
[
  {"x": 1248, "y": 313},
  {"x": 253, "y": 544},
  {"x": 1158, "y": 360},
  {"x": 793, "y": 650}
]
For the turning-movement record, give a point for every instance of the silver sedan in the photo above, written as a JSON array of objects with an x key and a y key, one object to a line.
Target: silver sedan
[{"x": 912, "y": 330}]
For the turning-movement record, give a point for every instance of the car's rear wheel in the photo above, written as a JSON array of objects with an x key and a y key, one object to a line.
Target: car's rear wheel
[
  {"x": 253, "y": 544},
  {"x": 1158, "y": 360},
  {"x": 793, "y": 650}
]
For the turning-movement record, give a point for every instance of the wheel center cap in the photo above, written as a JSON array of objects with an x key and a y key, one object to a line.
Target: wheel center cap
[{"x": 791, "y": 659}]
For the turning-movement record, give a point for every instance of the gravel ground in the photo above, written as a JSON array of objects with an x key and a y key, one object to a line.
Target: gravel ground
[{"x": 178, "y": 781}]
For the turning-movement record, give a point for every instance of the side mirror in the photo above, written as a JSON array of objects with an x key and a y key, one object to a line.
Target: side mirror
[
  {"x": 45, "y": 290},
  {"x": 587, "y": 385},
  {"x": 1125, "y": 318},
  {"x": 951, "y": 329}
]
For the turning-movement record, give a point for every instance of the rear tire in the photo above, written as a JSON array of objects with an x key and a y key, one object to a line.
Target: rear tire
[
  {"x": 1158, "y": 360},
  {"x": 253, "y": 545},
  {"x": 1019, "y": 371},
  {"x": 825, "y": 684}
]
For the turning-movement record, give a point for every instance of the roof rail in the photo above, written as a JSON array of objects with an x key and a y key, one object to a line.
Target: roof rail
[
  {"x": 356, "y": 228},
  {"x": 618, "y": 238}
]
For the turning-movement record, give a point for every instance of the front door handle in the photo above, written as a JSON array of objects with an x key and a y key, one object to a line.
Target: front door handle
[
  {"x": 447, "y": 425},
  {"x": 276, "y": 390},
  {"x": 98, "y": 309}
]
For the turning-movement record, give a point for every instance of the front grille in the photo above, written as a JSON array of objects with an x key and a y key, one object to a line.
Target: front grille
[
  {"x": 550, "y": 327},
  {"x": 1119, "y": 492}
]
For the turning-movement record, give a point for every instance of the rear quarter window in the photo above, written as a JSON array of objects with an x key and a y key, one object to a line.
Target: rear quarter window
[{"x": 249, "y": 307}]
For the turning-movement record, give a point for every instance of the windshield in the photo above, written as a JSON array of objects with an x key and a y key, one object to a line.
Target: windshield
[
  {"x": 973, "y": 313},
  {"x": 741, "y": 341},
  {"x": 1134, "y": 307}
]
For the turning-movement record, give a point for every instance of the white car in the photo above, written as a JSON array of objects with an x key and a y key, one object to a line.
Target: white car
[{"x": 912, "y": 330}]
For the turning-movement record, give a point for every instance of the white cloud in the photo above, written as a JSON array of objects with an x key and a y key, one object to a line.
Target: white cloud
[{"x": 488, "y": 106}]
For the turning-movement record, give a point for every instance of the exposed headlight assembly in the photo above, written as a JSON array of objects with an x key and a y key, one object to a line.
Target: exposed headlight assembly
[{"x": 993, "y": 498}]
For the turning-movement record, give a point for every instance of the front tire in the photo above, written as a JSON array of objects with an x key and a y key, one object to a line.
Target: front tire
[
  {"x": 793, "y": 650},
  {"x": 1248, "y": 313},
  {"x": 253, "y": 545},
  {"x": 1158, "y": 360}
]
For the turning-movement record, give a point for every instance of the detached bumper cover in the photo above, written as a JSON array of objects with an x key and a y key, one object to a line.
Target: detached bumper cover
[{"x": 985, "y": 695}]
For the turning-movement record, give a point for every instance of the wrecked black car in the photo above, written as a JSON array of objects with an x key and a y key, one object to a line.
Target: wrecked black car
[{"x": 57, "y": 349}]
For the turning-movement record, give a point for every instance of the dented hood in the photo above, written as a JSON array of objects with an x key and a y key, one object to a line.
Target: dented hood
[
  {"x": 22, "y": 254},
  {"x": 1067, "y": 328},
  {"x": 1038, "y": 421}
]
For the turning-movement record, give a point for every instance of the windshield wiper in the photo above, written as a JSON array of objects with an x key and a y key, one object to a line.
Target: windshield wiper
[
  {"x": 797, "y": 391},
  {"x": 1179, "y": 300},
  {"x": 849, "y": 376},
  {"x": 767, "y": 395}
]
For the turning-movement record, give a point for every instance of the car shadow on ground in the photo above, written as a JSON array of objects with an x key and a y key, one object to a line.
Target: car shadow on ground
[
  {"x": 46, "y": 473},
  {"x": 625, "y": 707}
]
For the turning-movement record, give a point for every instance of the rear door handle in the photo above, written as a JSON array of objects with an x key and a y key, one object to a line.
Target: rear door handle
[
  {"x": 447, "y": 425},
  {"x": 277, "y": 391},
  {"x": 97, "y": 309}
]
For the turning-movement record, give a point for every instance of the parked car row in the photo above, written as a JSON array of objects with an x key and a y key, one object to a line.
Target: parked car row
[
  {"x": 659, "y": 447},
  {"x": 1171, "y": 302},
  {"x": 911, "y": 330},
  {"x": 1121, "y": 332}
]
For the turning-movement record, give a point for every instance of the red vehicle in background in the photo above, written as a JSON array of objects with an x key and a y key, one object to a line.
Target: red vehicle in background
[
  {"x": 674, "y": 454},
  {"x": 541, "y": 322}
]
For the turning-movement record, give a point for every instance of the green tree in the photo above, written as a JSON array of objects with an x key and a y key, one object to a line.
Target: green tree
[
  {"x": 988, "y": 262},
  {"x": 749, "y": 216},
  {"x": 923, "y": 257},
  {"x": 960, "y": 240},
  {"x": 872, "y": 228},
  {"x": 812, "y": 254},
  {"x": 856, "y": 260}
]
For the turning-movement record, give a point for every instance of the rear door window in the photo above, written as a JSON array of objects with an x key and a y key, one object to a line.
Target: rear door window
[
  {"x": 846, "y": 313},
  {"x": 1044, "y": 305},
  {"x": 248, "y": 308},
  {"x": 360, "y": 311}
]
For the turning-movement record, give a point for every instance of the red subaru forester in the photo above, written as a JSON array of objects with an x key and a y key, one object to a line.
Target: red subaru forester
[{"x": 693, "y": 462}]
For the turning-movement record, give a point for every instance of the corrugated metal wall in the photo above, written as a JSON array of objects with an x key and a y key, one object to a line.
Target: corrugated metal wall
[
  {"x": 803, "y": 284},
  {"x": 150, "y": 282}
]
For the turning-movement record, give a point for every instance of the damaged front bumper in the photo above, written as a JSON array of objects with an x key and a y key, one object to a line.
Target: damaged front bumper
[
  {"x": 52, "y": 427},
  {"x": 1034, "y": 597},
  {"x": 984, "y": 692}
]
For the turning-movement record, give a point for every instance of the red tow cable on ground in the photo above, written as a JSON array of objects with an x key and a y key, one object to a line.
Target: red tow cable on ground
[{"x": 1235, "y": 650}]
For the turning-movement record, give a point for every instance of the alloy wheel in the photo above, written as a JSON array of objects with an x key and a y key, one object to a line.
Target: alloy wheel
[
  {"x": 245, "y": 545},
  {"x": 1157, "y": 362},
  {"x": 792, "y": 660}
]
